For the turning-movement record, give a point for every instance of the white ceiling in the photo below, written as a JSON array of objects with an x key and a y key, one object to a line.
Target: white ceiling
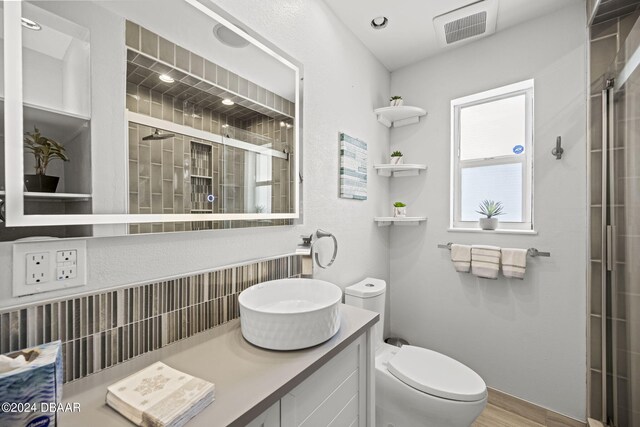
[{"x": 410, "y": 37}]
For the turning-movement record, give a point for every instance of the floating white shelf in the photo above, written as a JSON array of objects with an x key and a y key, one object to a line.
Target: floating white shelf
[
  {"x": 55, "y": 197},
  {"x": 200, "y": 176},
  {"x": 399, "y": 170},
  {"x": 59, "y": 125},
  {"x": 399, "y": 116},
  {"x": 391, "y": 220}
]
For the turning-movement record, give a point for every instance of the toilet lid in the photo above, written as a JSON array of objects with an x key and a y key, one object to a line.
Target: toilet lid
[{"x": 436, "y": 374}]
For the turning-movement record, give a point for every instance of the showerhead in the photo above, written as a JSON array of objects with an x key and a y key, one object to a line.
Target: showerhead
[{"x": 156, "y": 136}]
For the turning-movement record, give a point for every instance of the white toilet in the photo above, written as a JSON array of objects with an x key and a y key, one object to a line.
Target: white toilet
[{"x": 415, "y": 386}]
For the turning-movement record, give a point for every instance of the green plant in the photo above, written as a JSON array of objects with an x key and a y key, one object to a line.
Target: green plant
[
  {"x": 399, "y": 205},
  {"x": 44, "y": 149},
  {"x": 489, "y": 208},
  {"x": 394, "y": 97},
  {"x": 396, "y": 154}
]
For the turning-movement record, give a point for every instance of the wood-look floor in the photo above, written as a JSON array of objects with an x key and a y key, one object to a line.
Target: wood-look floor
[{"x": 492, "y": 416}]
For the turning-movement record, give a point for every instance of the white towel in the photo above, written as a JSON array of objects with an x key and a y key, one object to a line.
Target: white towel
[
  {"x": 485, "y": 261},
  {"x": 514, "y": 262},
  {"x": 461, "y": 258},
  {"x": 159, "y": 396}
]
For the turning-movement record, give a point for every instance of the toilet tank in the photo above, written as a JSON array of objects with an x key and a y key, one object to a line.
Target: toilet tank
[{"x": 370, "y": 295}]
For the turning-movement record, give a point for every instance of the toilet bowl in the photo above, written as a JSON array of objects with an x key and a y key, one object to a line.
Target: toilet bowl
[{"x": 416, "y": 386}]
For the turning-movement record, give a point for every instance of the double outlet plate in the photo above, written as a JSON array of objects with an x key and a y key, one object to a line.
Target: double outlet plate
[{"x": 48, "y": 265}]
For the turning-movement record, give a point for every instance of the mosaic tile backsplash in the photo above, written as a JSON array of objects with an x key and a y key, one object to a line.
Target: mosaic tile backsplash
[{"x": 101, "y": 330}]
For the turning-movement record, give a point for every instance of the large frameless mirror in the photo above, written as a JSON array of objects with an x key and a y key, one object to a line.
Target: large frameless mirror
[{"x": 155, "y": 115}]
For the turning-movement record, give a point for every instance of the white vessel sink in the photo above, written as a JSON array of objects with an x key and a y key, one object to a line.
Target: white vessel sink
[{"x": 290, "y": 314}]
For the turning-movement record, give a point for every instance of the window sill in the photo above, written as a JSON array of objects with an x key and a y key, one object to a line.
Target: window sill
[{"x": 499, "y": 231}]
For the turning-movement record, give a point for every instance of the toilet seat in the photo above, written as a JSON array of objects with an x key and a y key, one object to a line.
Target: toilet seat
[{"x": 436, "y": 374}]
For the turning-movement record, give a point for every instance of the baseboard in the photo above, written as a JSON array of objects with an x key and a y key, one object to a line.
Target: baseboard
[
  {"x": 531, "y": 411},
  {"x": 594, "y": 423}
]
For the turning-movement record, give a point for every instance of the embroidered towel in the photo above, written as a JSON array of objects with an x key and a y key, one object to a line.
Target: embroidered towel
[
  {"x": 485, "y": 261},
  {"x": 461, "y": 258},
  {"x": 160, "y": 396},
  {"x": 514, "y": 262}
]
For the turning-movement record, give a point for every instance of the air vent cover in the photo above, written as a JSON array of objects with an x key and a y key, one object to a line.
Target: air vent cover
[
  {"x": 467, "y": 23},
  {"x": 466, "y": 27}
]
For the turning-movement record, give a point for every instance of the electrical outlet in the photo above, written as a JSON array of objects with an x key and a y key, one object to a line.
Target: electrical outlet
[
  {"x": 66, "y": 256},
  {"x": 47, "y": 265},
  {"x": 37, "y": 268},
  {"x": 64, "y": 273}
]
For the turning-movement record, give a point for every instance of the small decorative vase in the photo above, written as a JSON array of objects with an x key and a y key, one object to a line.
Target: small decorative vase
[
  {"x": 396, "y": 102},
  {"x": 400, "y": 212},
  {"x": 488, "y": 223},
  {"x": 396, "y": 160},
  {"x": 41, "y": 183}
]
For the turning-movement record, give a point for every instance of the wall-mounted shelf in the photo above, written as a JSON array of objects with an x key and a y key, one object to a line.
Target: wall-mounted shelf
[
  {"x": 384, "y": 221},
  {"x": 399, "y": 170},
  {"x": 399, "y": 116},
  {"x": 55, "y": 197},
  {"x": 61, "y": 126}
]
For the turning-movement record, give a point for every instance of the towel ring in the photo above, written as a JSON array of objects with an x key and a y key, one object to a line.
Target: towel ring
[{"x": 320, "y": 234}]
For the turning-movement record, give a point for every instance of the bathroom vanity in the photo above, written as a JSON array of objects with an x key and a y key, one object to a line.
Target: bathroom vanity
[{"x": 329, "y": 384}]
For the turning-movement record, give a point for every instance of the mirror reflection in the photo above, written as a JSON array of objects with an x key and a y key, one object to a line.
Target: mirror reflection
[{"x": 154, "y": 108}]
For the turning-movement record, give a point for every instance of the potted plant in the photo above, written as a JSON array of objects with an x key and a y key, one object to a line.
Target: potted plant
[
  {"x": 399, "y": 210},
  {"x": 44, "y": 149},
  {"x": 396, "y": 101},
  {"x": 491, "y": 210},
  {"x": 396, "y": 158}
]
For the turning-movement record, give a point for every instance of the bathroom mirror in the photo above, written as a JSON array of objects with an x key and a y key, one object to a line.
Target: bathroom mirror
[{"x": 162, "y": 115}]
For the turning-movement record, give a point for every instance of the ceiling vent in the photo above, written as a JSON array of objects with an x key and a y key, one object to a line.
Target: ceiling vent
[{"x": 467, "y": 23}]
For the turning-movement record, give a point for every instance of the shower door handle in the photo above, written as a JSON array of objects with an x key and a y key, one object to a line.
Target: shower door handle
[{"x": 610, "y": 243}]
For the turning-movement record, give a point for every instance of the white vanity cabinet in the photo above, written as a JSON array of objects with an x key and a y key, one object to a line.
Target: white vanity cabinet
[
  {"x": 337, "y": 394},
  {"x": 269, "y": 418}
]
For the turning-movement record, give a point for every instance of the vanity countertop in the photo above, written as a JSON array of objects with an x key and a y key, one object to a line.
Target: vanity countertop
[{"x": 248, "y": 379}]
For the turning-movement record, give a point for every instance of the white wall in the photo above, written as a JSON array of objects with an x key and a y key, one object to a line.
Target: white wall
[
  {"x": 343, "y": 83},
  {"x": 526, "y": 338}
]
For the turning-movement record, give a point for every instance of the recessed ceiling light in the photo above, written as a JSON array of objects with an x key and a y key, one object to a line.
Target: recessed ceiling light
[
  {"x": 229, "y": 37},
  {"x": 379, "y": 22},
  {"x": 166, "y": 78},
  {"x": 32, "y": 25},
  {"x": 227, "y": 101}
]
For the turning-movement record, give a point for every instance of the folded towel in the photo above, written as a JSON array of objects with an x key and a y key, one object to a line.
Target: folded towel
[
  {"x": 485, "y": 261},
  {"x": 461, "y": 258},
  {"x": 160, "y": 396},
  {"x": 514, "y": 262}
]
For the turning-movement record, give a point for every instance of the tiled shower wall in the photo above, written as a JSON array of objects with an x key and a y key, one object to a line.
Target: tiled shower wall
[
  {"x": 155, "y": 46},
  {"x": 607, "y": 38},
  {"x": 160, "y": 180},
  {"x": 101, "y": 330}
]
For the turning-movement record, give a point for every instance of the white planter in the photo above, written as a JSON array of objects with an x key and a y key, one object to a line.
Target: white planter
[
  {"x": 488, "y": 223},
  {"x": 396, "y": 103},
  {"x": 397, "y": 160},
  {"x": 400, "y": 212}
]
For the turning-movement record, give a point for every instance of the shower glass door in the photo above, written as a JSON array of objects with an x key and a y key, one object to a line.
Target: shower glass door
[{"x": 621, "y": 242}]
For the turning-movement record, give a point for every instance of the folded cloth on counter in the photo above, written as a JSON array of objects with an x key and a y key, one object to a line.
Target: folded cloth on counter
[
  {"x": 461, "y": 258},
  {"x": 485, "y": 261},
  {"x": 160, "y": 396},
  {"x": 514, "y": 262}
]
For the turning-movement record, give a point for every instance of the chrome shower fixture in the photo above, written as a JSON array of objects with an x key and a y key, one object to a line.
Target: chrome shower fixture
[{"x": 157, "y": 136}]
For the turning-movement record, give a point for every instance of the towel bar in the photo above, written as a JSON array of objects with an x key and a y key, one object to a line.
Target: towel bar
[{"x": 532, "y": 252}]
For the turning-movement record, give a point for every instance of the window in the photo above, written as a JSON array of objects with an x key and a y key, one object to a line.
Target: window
[{"x": 492, "y": 155}]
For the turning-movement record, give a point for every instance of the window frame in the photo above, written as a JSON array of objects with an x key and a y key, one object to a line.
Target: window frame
[{"x": 521, "y": 88}]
